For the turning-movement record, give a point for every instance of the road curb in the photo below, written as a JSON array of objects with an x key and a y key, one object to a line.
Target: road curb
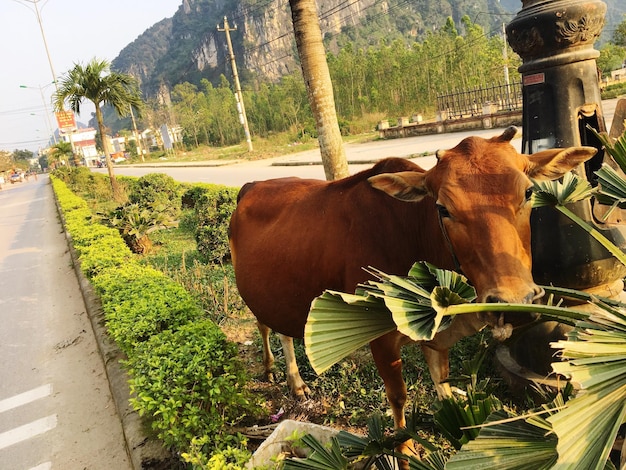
[{"x": 145, "y": 453}]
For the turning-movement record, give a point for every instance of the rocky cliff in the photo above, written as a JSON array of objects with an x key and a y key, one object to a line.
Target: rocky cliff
[{"x": 192, "y": 44}]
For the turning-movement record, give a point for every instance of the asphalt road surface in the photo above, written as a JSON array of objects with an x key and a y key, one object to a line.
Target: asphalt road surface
[
  {"x": 308, "y": 164},
  {"x": 56, "y": 410}
]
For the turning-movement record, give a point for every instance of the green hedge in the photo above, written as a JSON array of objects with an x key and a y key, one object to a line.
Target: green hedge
[
  {"x": 187, "y": 378},
  {"x": 213, "y": 206},
  {"x": 132, "y": 316}
]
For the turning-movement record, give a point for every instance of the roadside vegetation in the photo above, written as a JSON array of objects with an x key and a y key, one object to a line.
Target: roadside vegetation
[
  {"x": 194, "y": 357},
  {"x": 173, "y": 307}
]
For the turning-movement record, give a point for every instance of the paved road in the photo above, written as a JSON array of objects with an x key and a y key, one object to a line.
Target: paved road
[
  {"x": 56, "y": 410},
  {"x": 303, "y": 164},
  {"x": 307, "y": 164}
]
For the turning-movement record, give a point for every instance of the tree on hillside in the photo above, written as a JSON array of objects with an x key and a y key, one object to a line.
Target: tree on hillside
[
  {"x": 98, "y": 84},
  {"x": 619, "y": 35},
  {"x": 308, "y": 34}
]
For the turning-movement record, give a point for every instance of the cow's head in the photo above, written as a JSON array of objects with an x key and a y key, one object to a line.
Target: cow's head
[{"x": 482, "y": 188}]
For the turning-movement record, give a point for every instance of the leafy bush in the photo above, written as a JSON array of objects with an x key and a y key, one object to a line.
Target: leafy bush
[
  {"x": 613, "y": 91},
  {"x": 141, "y": 302},
  {"x": 193, "y": 194},
  {"x": 82, "y": 181},
  {"x": 103, "y": 253},
  {"x": 189, "y": 383},
  {"x": 87, "y": 234},
  {"x": 156, "y": 189},
  {"x": 213, "y": 211},
  {"x": 135, "y": 222},
  {"x": 185, "y": 374}
]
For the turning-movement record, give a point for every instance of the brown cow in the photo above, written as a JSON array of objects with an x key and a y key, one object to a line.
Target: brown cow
[{"x": 292, "y": 238}]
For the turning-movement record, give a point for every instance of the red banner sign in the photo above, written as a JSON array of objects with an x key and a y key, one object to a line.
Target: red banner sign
[{"x": 66, "y": 120}]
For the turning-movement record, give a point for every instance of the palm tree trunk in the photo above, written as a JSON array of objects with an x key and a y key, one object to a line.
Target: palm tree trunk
[
  {"x": 115, "y": 187},
  {"x": 308, "y": 34}
]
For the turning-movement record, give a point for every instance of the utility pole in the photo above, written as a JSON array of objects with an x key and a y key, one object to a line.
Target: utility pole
[
  {"x": 238, "y": 95},
  {"x": 505, "y": 56},
  {"x": 137, "y": 141}
]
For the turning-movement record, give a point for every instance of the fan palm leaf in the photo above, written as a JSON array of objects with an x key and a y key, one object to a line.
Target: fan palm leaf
[
  {"x": 508, "y": 444},
  {"x": 572, "y": 189},
  {"x": 596, "y": 353},
  {"x": 350, "y": 321}
]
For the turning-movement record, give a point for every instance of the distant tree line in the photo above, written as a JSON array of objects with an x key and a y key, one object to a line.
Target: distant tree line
[
  {"x": 392, "y": 80},
  {"x": 613, "y": 52}
]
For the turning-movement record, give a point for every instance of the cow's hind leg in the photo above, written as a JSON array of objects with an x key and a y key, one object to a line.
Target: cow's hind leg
[
  {"x": 294, "y": 381},
  {"x": 268, "y": 357}
]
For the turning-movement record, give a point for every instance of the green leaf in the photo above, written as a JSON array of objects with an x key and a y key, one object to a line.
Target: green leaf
[
  {"x": 507, "y": 445},
  {"x": 322, "y": 458},
  {"x": 348, "y": 322},
  {"x": 615, "y": 148},
  {"x": 587, "y": 427},
  {"x": 570, "y": 189}
]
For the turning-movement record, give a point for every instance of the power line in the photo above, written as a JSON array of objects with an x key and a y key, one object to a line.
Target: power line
[{"x": 13, "y": 112}]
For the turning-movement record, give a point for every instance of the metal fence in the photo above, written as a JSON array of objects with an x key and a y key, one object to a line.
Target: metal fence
[{"x": 459, "y": 104}]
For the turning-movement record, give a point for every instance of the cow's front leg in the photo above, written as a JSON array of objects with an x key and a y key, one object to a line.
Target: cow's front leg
[
  {"x": 294, "y": 381},
  {"x": 436, "y": 351},
  {"x": 386, "y": 354}
]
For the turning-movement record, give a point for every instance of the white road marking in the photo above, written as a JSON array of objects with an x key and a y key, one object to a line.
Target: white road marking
[
  {"x": 27, "y": 431},
  {"x": 43, "y": 466},
  {"x": 26, "y": 397}
]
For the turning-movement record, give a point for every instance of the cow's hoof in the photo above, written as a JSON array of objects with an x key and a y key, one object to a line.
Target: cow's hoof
[
  {"x": 410, "y": 448},
  {"x": 302, "y": 392}
]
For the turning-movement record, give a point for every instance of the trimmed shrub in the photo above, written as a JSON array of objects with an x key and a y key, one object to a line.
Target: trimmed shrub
[
  {"x": 132, "y": 316},
  {"x": 189, "y": 383},
  {"x": 103, "y": 253},
  {"x": 213, "y": 211},
  {"x": 187, "y": 379},
  {"x": 155, "y": 189}
]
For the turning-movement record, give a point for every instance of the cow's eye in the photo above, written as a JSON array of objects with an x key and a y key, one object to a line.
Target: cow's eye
[
  {"x": 528, "y": 194},
  {"x": 443, "y": 211}
]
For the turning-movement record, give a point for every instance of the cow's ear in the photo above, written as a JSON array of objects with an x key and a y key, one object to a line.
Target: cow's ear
[
  {"x": 554, "y": 163},
  {"x": 405, "y": 185}
]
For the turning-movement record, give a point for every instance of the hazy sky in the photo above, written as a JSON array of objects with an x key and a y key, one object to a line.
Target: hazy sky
[{"x": 76, "y": 31}]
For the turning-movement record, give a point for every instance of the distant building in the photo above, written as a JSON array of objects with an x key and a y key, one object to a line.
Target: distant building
[
  {"x": 84, "y": 144},
  {"x": 618, "y": 75}
]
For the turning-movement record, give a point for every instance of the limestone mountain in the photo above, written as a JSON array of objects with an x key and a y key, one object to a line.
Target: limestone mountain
[{"x": 192, "y": 44}]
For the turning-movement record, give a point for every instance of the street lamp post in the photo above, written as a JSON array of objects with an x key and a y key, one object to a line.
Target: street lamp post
[
  {"x": 43, "y": 36},
  {"x": 45, "y": 105}
]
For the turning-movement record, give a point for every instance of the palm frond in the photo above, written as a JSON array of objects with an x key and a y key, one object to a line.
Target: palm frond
[
  {"x": 507, "y": 444},
  {"x": 348, "y": 322},
  {"x": 322, "y": 458},
  {"x": 596, "y": 353},
  {"x": 571, "y": 189},
  {"x": 616, "y": 148}
]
